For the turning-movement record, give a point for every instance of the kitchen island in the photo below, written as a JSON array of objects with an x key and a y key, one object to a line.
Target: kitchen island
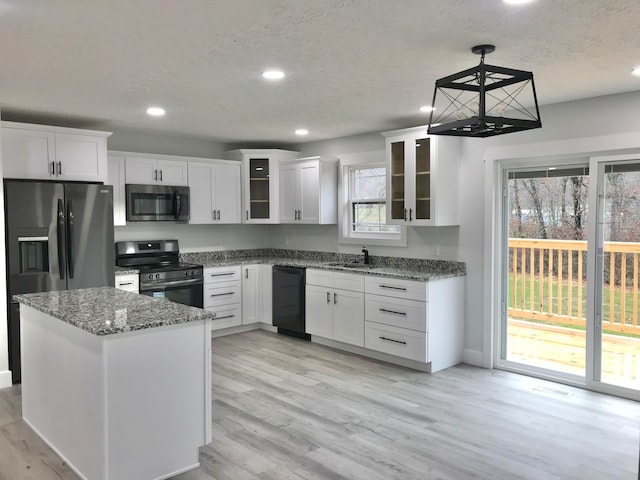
[{"x": 118, "y": 384}]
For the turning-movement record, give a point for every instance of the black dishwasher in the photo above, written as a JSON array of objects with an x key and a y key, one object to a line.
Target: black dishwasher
[{"x": 288, "y": 301}]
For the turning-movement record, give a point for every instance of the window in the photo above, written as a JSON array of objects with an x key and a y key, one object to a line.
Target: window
[{"x": 365, "y": 209}]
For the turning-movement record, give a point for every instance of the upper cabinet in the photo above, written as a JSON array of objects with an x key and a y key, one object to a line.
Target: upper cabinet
[
  {"x": 40, "y": 152},
  {"x": 422, "y": 178},
  {"x": 260, "y": 183},
  {"x": 149, "y": 171},
  {"x": 215, "y": 192},
  {"x": 309, "y": 190}
]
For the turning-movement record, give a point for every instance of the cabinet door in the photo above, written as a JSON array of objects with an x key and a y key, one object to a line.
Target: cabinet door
[
  {"x": 258, "y": 190},
  {"x": 421, "y": 205},
  {"x": 80, "y": 157},
  {"x": 348, "y": 317},
  {"x": 319, "y": 311},
  {"x": 201, "y": 189},
  {"x": 27, "y": 154},
  {"x": 397, "y": 210},
  {"x": 172, "y": 172},
  {"x": 289, "y": 186},
  {"x": 141, "y": 170},
  {"x": 115, "y": 178},
  {"x": 251, "y": 294},
  {"x": 309, "y": 192},
  {"x": 226, "y": 193}
]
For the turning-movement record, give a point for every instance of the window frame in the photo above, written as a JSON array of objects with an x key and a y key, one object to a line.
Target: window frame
[{"x": 346, "y": 234}]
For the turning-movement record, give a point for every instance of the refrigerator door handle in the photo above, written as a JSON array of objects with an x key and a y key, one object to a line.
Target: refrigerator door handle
[
  {"x": 60, "y": 235},
  {"x": 71, "y": 254}
]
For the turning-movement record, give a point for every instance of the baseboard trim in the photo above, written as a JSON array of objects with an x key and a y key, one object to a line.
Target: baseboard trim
[
  {"x": 243, "y": 328},
  {"x": 5, "y": 379},
  {"x": 473, "y": 357}
]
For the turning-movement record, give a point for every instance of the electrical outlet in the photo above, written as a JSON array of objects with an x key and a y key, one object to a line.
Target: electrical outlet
[{"x": 435, "y": 250}]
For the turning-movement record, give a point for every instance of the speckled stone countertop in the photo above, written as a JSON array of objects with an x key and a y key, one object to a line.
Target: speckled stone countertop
[
  {"x": 106, "y": 310},
  {"x": 390, "y": 267}
]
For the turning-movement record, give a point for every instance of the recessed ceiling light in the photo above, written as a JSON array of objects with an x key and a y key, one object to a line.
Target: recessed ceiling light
[
  {"x": 427, "y": 109},
  {"x": 302, "y": 131},
  {"x": 517, "y": 2},
  {"x": 636, "y": 72},
  {"x": 273, "y": 74},
  {"x": 156, "y": 111}
]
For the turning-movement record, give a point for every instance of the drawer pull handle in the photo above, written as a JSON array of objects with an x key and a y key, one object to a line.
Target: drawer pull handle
[
  {"x": 394, "y": 312},
  {"x": 392, "y": 340},
  {"x": 393, "y": 288},
  {"x": 335, "y": 298},
  {"x": 226, "y": 316},
  {"x": 122, "y": 284},
  {"x": 328, "y": 297},
  {"x": 222, "y": 274},
  {"x": 221, "y": 294}
]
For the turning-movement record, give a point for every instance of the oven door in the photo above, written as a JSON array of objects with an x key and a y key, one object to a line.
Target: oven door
[
  {"x": 187, "y": 292},
  {"x": 157, "y": 203}
]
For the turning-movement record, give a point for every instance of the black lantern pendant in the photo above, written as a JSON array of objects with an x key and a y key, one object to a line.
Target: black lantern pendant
[{"x": 484, "y": 101}]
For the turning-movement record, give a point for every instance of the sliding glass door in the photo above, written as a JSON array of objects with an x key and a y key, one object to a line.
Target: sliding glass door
[
  {"x": 571, "y": 273},
  {"x": 544, "y": 285},
  {"x": 616, "y": 328}
]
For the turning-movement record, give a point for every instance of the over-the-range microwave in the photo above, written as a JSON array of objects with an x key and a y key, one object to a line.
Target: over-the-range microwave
[{"x": 157, "y": 203}]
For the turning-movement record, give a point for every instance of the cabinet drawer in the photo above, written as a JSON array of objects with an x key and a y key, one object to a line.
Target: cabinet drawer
[
  {"x": 222, "y": 293},
  {"x": 398, "y": 312},
  {"x": 221, "y": 274},
  {"x": 226, "y": 316},
  {"x": 396, "y": 341},
  {"x": 393, "y": 287},
  {"x": 130, "y": 283},
  {"x": 330, "y": 279}
]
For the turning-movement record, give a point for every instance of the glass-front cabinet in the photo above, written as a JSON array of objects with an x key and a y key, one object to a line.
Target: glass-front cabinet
[
  {"x": 260, "y": 182},
  {"x": 423, "y": 177}
]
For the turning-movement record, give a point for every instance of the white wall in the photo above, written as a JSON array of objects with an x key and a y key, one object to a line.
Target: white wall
[{"x": 5, "y": 373}]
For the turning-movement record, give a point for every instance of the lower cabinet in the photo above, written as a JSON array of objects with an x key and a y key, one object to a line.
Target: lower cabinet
[
  {"x": 420, "y": 321},
  {"x": 256, "y": 294},
  {"x": 223, "y": 296},
  {"x": 335, "y": 313}
]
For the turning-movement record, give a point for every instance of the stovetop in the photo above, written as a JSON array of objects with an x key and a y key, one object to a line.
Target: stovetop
[{"x": 172, "y": 267}]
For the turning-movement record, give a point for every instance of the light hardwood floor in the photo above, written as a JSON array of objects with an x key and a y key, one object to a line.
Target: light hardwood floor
[{"x": 285, "y": 409}]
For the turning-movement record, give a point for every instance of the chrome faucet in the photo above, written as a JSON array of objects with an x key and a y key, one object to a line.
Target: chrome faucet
[{"x": 366, "y": 255}]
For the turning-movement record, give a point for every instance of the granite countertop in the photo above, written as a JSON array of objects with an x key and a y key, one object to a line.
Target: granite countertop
[
  {"x": 107, "y": 310},
  {"x": 389, "y": 267}
]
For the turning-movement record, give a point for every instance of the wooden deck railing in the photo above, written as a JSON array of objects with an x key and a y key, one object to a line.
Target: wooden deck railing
[{"x": 547, "y": 282}]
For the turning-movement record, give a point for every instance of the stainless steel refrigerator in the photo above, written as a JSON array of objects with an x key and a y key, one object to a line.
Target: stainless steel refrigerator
[{"x": 58, "y": 236}]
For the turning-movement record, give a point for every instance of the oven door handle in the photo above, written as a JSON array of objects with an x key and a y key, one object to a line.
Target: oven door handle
[{"x": 174, "y": 283}]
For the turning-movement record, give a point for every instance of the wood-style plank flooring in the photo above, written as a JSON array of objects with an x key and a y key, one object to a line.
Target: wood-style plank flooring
[{"x": 285, "y": 409}]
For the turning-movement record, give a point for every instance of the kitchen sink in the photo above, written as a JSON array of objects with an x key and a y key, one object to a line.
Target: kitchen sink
[{"x": 347, "y": 265}]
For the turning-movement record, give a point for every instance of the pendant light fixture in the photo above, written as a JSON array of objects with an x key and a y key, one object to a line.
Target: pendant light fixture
[{"x": 484, "y": 101}]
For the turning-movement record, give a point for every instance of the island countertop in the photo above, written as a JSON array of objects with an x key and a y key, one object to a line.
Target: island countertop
[{"x": 107, "y": 310}]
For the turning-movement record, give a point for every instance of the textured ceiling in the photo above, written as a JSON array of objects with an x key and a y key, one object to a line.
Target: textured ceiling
[{"x": 352, "y": 66}]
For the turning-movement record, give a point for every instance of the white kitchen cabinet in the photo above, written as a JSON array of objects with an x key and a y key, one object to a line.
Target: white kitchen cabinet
[
  {"x": 419, "y": 321},
  {"x": 40, "y": 152},
  {"x": 335, "y": 313},
  {"x": 260, "y": 182},
  {"x": 266, "y": 280},
  {"x": 309, "y": 190},
  {"x": 215, "y": 192},
  {"x": 115, "y": 178},
  {"x": 222, "y": 296},
  {"x": 251, "y": 294},
  {"x": 145, "y": 170},
  {"x": 129, "y": 282},
  {"x": 422, "y": 178}
]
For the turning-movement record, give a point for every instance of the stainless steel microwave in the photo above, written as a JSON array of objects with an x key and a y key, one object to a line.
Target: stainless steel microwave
[{"x": 157, "y": 203}]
